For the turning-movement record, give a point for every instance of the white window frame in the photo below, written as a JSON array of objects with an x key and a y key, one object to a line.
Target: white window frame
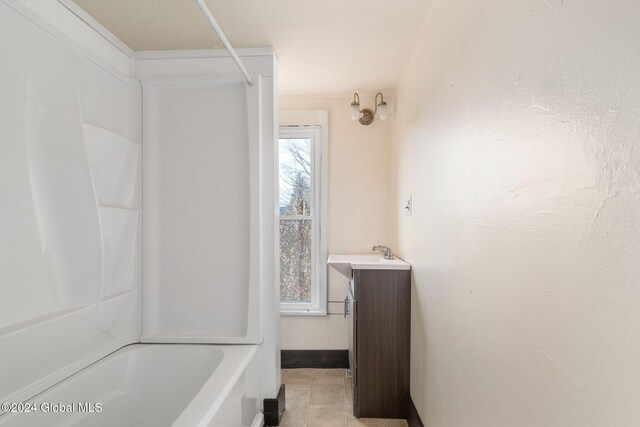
[{"x": 311, "y": 124}]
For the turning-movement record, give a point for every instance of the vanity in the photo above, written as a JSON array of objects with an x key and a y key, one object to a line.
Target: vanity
[{"x": 379, "y": 311}]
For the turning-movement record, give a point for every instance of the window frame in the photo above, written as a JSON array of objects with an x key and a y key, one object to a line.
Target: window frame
[{"x": 312, "y": 125}]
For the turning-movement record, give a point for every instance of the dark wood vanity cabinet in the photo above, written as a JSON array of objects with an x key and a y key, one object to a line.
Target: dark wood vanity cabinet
[{"x": 379, "y": 334}]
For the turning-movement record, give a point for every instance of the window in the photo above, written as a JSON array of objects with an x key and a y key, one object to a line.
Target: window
[{"x": 302, "y": 232}]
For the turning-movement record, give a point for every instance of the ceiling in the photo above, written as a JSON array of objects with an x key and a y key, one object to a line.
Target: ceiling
[{"x": 324, "y": 47}]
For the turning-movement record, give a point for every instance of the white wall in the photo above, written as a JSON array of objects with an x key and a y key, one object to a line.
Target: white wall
[
  {"x": 358, "y": 210},
  {"x": 517, "y": 135}
]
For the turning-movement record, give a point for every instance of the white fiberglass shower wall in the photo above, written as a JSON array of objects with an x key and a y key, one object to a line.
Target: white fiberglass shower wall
[
  {"x": 70, "y": 197},
  {"x": 208, "y": 180},
  {"x": 74, "y": 166},
  {"x": 210, "y": 211}
]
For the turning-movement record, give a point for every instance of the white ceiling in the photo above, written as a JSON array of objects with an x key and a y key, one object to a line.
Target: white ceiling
[{"x": 324, "y": 47}]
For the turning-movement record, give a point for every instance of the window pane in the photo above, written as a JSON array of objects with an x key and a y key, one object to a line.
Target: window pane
[
  {"x": 295, "y": 176},
  {"x": 295, "y": 260}
]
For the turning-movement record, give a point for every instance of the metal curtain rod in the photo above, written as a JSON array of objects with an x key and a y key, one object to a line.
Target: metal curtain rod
[{"x": 216, "y": 28}]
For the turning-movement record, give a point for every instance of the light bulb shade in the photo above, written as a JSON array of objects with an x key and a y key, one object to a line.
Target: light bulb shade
[
  {"x": 383, "y": 111},
  {"x": 355, "y": 111}
]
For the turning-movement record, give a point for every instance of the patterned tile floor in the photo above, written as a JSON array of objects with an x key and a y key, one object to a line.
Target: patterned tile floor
[{"x": 322, "y": 398}]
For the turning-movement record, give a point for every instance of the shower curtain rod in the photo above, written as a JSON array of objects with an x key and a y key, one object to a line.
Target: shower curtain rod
[{"x": 216, "y": 28}]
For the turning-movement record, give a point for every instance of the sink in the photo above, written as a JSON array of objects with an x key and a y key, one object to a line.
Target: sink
[{"x": 345, "y": 263}]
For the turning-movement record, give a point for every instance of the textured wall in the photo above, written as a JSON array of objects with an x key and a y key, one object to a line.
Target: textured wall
[{"x": 517, "y": 135}]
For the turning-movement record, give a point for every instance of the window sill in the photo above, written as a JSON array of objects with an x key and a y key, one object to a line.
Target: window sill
[{"x": 303, "y": 312}]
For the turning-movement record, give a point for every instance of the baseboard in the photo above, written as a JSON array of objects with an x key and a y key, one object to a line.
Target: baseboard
[
  {"x": 413, "y": 418},
  {"x": 274, "y": 408},
  {"x": 320, "y": 359}
]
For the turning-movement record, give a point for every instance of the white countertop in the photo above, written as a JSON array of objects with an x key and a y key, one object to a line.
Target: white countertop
[{"x": 345, "y": 263}]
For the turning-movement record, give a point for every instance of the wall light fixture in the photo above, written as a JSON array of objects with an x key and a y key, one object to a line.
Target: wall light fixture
[{"x": 365, "y": 116}]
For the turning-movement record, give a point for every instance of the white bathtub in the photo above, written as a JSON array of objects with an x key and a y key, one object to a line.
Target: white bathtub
[{"x": 154, "y": 385}]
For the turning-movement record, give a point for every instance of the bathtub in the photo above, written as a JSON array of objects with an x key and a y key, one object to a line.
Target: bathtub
[{"x": 153, "y": 385}]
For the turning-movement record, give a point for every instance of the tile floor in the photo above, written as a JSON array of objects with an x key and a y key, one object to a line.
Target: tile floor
[{"x": 322, "y": 398}]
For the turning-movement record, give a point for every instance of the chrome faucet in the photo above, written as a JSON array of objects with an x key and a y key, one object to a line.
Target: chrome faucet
[{"x": 385, "y": 250}]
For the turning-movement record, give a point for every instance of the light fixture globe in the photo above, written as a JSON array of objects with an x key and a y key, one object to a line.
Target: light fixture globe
[
  {"x": 355, "y": 111},
  {"x": 355, "y": 107},
  {"x": 383, "y": 111}
]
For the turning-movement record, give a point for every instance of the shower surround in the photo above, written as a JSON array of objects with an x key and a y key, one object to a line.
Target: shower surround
[{"x": 74, "y": 106}]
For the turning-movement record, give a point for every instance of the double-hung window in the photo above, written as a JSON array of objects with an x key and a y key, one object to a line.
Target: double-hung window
[{"x": 302, "y": 194}]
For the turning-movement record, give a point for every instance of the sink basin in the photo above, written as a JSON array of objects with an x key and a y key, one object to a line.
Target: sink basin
[{"x": 346, "y": 263}]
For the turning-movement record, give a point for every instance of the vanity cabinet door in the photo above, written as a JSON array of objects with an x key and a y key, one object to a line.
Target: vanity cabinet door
[{"x": 381, "y": 342}]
